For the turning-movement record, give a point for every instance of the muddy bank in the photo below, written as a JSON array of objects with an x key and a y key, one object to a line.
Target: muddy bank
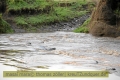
[
  {"x": 61, "y": 26},
  {"x": 105, "y": 19}
]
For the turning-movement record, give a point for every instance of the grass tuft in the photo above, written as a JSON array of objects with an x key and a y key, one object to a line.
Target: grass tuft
[
  {"x": 20, "y": 21},
  {"x": 83, "y": 28},
  {"x": 4, "y": 26}
]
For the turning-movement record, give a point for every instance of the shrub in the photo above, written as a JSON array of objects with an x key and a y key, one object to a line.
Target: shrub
[
  {"x": 83, "y": 28},
  {"x": 4, "y": 26}
]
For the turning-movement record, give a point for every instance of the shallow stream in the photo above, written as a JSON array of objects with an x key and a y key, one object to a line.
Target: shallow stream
[{"x": 73, "y": 51}]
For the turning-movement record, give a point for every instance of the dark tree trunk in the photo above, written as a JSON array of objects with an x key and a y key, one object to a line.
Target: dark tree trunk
[
  {"x": 2, "y": 6},
  {"x": 104, "y": 21}
]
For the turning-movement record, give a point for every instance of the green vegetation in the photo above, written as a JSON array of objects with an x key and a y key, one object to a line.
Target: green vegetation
[
  {"x": 4, "y": 26},
  {"x": 20, "y": 21},
  {"x": 63, "y": 15},
  {"x": 83, "y": 28},
  {"x": 117, "y": 11},
  {"x": 45, "y": 12},
  {"x": 19, "y": 5},
  {"x": 32, "y": 14}
]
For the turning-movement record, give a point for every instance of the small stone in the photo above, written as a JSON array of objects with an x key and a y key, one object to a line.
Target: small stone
[
  {"x": 52, "y": 49},
  {"x": 113, "y": 69},
  {"x": 96, "y": 62},
  {"x": 46, "y": 48},
  {"x": 29, "y": 44}
]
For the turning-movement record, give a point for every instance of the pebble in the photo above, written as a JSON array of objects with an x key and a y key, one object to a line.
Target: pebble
[{"x": 46, "y": 48}]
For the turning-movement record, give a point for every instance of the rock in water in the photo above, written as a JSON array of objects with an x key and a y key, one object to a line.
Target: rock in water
[
  {"x": 96, "y": 62},
  {"x": 51, "y": 49},
  {"x": 29, "y": 44},
  {"x": 46, "y": 48},
  {"x": 42, "y": 48}
]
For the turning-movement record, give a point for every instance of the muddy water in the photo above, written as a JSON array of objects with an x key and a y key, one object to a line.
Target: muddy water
[{"x": 73, "y": 51}]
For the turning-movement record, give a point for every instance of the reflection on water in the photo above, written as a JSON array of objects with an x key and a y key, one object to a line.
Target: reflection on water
[{"x": 73, "y": 51}]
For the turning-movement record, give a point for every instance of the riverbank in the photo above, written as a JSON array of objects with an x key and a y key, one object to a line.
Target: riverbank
[
  {"x": 42, "y": 16},
  {"x": 61, "y": 26}
]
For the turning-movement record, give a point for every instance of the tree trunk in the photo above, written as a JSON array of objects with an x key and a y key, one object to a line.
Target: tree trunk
[
  {"x": 104, "y": 20},
  {"x": 2, "y": 6}
]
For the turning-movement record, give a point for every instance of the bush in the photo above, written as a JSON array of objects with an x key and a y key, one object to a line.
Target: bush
[
  {"x": 83, "y": 28},
  {"x": 4, "y": 26}
]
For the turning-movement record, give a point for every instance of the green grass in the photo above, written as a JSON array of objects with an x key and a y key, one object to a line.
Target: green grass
[
  {"x": 56, "y": 13},
  {"x": 20, "y": 21},
  {"x": 61, "y": 15},
  {"x": 28, "y": 4},
  {"x": 4, "y": 26},
  {"x": 83, "y": 28}
]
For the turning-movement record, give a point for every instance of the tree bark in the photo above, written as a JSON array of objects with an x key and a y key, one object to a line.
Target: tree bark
[{"x": 2, "y": 6}]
